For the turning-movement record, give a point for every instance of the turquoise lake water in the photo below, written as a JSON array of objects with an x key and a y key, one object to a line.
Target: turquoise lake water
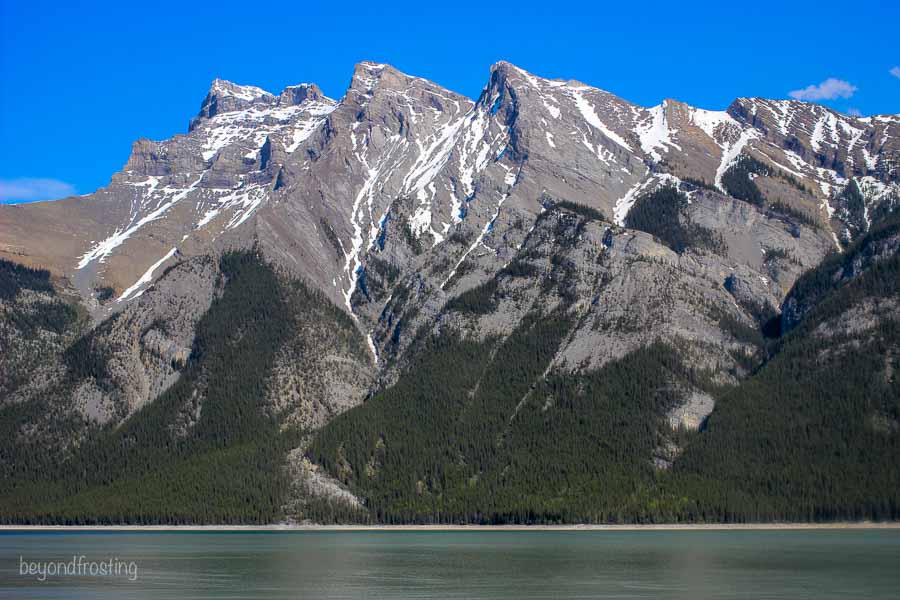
[{"x": 527, "y": 565}]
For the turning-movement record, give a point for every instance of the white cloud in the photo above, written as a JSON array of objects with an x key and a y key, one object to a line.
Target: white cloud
[
  {"x": 32, "y": 190},
  {"x": 895, "y": 72},
  {"x": 829, "y": 89},
  {"x": 854, "y": 112}
]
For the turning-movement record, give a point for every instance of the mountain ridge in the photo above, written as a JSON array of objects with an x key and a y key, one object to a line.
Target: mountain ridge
[
  {"x": 351, "y": 241},
  {"x": 652, "y": 131}
]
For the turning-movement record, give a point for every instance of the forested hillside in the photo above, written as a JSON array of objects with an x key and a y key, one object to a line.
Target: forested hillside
[
  {"x": 211, "y": 449},
  {"x": 813, "y": 435},
  {"x": 479, "y": 433},
  {"x": 484, "y": 432},
  {"x": 545, "y": 303}
]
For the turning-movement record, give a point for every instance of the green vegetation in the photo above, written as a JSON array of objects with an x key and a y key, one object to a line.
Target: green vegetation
[
  {"x": 520, "y": 268},
  {"x": 853, "y": 200},
  {"x": 590, "y": 214},
  {"x": 699, "y": 183},
  {"x": 104, "y": 293},
  {"x": 484, "y": 438},
  {"x": 822, "y": 285},
  {"x": 474, "y": 433},
  {"x": 432, "y": 445},
  {"x": 332, "y": 237},
  {"x": 800, "y": 440},
  {"x": 15, "y": 277},
  {"x": 210, "y": 449},
  {"x": 48, "y": 312},
  {"x": 853, "y": 208},
  {"x": 660, "y": 213},
  {"x": 55, "y": 316},
  {"x": 387, "y": 272},
  {"x": 737, "y": 180},
  {"x": 88, "y": 357},
  {"x": 36, "y": 323},
  {"x": 478, "y": 300},
  {"x": 780, "y": 207},
  {"x": 409, "y": 237},
  {"x": 482, "y": 431},
  {"x": 887, "y": 208}
]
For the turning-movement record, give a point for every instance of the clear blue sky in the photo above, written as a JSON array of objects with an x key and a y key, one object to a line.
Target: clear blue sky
[{"x": 78, "y": 84}]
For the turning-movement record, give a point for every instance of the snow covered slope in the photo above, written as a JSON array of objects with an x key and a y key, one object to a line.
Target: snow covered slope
[{"x": 403, "y": 172}]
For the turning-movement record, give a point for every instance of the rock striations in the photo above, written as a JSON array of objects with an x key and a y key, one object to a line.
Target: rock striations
[{"x": 411, "y": 211}]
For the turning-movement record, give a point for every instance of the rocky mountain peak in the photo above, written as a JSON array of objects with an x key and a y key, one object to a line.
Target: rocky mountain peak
[
  {"x": 222, "y": 88},
  {"x": 550, "y": 218},
  {"x": 371, "y": 79},
  {"x": 225, "y": 96},
  {"x": 300, "y": 93},
  {"x": 402, "y": 167},
  {"x": 505, "y": 70},
  {"x": 367, "y": 75},
  {"x": 504, "y": 73}
]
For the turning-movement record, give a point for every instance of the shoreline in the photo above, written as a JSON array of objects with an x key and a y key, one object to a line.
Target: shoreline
[{"x": 423, "y": 528}]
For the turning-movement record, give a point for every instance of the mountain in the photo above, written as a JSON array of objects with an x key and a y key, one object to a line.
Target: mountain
[{"x": 548, "y": 304}]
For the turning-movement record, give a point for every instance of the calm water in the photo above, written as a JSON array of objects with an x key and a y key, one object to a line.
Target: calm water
[{"x": 517, "y": 565}]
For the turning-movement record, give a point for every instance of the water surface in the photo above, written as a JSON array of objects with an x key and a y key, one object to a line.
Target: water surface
[{"x": 404, "y": 565}]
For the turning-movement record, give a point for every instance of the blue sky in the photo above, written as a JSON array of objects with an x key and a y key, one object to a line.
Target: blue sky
[{"x": 79, "y": 84}]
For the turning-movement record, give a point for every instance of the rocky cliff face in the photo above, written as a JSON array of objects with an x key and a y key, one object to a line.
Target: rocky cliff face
[
  {"x": 403, "y": 196},
  {"x": 401, "y": 167}
]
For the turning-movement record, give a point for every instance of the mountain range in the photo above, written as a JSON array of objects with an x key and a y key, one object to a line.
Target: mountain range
[{"x": 546, "y": 305}]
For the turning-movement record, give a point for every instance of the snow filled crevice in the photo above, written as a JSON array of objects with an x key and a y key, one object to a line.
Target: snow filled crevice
[
  {"x": 654, "y": 133},
  {"x": 145, "y": 279},
  {"x": 587, "y": 111},
  {"x": 363, "y": 206},
  {"x": 510, "y": 180}
]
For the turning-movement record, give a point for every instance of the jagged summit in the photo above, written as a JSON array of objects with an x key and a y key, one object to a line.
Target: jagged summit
[
  {"x": 223, "y": 88},
  {"x": 225, "y": 96},
  {"x": 297, "y": 94},
  {"x": 292, "y": 255},
  {"x": 325, "y": 183},
  {"x": 510, "y": 69},
  {"x": 373, "y": 78},
  {"x": 367, "y": 75}
]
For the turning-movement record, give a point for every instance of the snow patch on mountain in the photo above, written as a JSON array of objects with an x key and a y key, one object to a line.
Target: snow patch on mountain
[
  {"x": 711, "y": 121},
  {"x": 731, "y": 152},
  {"x": 146, "y": 278},
  {"x": 654, "y": 133},
  {"x": 170, "y": 197},
  {"x": 253, "y": 125},
  {"x": 587, "y": 111},
  {"x": 510, "y": 179},
  {"x": 249, "y": 93}
]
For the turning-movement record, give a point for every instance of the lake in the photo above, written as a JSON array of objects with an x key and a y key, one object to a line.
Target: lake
[{"x": 399, "y": 565}]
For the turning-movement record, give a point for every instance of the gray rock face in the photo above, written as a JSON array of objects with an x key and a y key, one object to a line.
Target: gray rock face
[
  {"x": 402, "y": 195},
  {"x": 148, "y": 342},
  {"x": 310, "y": 482},
  {"x": 872, "y": 251},
  {"x": 225, "y": 96},
  {"x": 162, "y": 346},
  {"x": 142, "y": 350},
  {"x": 692, "y": 413},
  {"x": 399, "y": 166}
]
